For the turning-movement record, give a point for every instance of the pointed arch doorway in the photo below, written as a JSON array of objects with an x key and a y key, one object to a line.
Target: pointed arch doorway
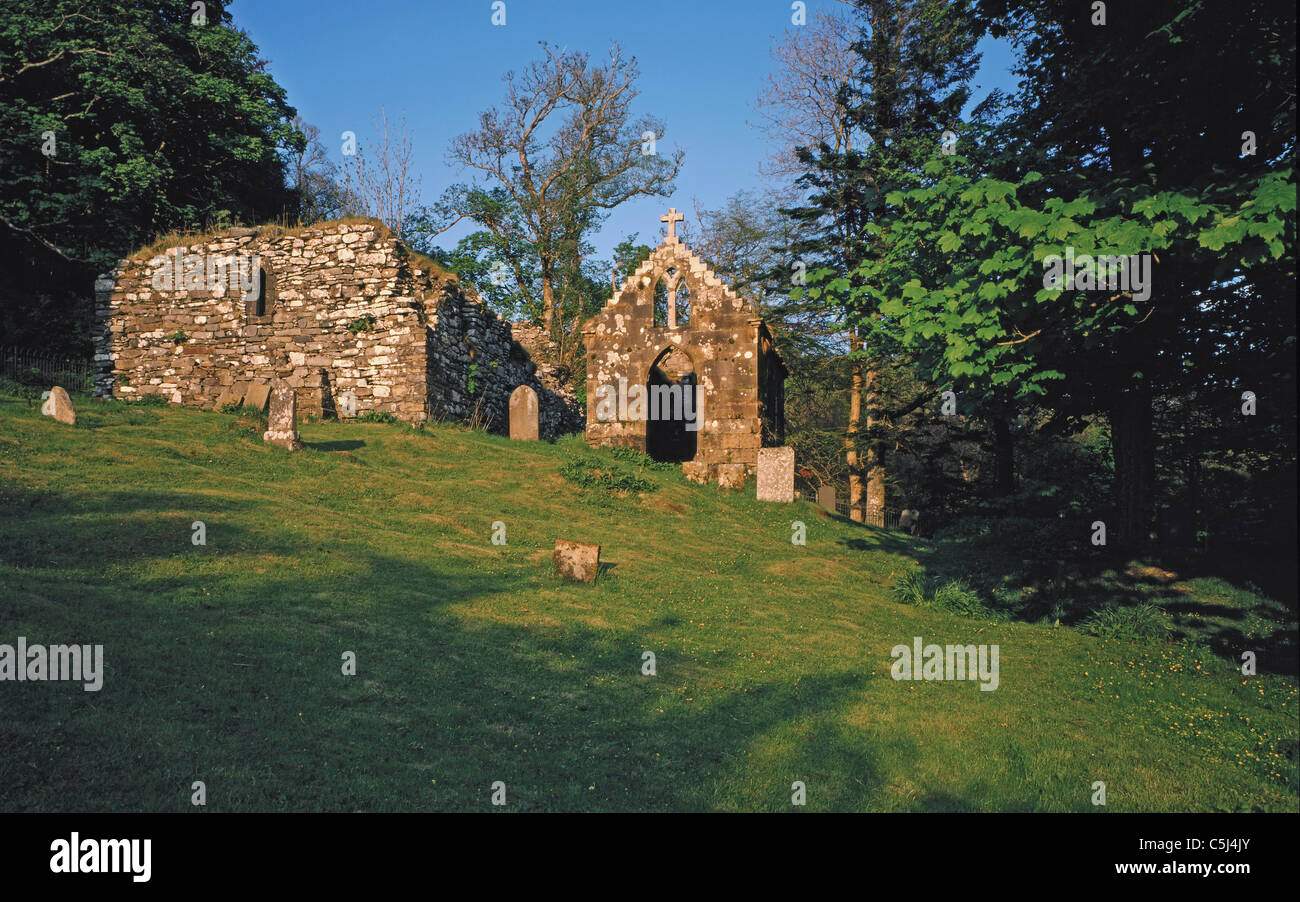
[{"x": 671, "y": 399}]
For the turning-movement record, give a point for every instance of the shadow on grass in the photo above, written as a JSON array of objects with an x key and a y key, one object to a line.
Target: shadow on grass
[
  {"x": 1040, "y": 577},
  {"x": 223, "y": 667},
  {"x": 345, "y": 445}
]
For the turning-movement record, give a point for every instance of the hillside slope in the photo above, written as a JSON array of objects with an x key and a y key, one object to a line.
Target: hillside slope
[{"x": 476, "y": 664}]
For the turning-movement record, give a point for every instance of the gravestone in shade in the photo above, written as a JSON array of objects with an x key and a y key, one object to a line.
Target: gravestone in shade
[
  {"x": 282, "y": 426},
  {"x": 257, "y": 396},
  {"x": 577, "y": 560},
  {"x": 909, "y": 521},
  {"x": 826, "y": 497},
  {"x": 776, "y": 474},
  {"x": 731, "y": 476},
  {"x": 523, "y": 414},
  {"x": 59, "y": 406}
]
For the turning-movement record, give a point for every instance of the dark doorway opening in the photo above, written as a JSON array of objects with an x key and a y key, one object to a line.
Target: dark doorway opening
[{"x": 672, "y": 403}]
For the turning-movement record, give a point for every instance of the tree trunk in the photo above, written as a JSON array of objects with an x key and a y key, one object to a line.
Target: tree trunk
[
  {"x": 875, "y": 446},
  {"x": 851, "y": 434},
  {"x": 1133, "y": 449},
  {"x": 548, "y": 299},
  {"x": 1004, "y": 455}
]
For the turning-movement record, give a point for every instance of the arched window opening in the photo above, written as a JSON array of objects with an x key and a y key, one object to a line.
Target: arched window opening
[
  {"x": 681, "y": 315},
  {"x": 661, "y": 304}
]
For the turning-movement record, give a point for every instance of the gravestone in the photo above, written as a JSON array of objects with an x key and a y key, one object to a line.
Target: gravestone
[
  {"x": 259, "y": 393},
  {"x": 523, "y": 414},
  {"x": 282, "y": 427},
  {"x": 59, "y": 406},
  {"x": 776, "y": 474},
  {"x": 909, "y": 521},
  {"x": 731, "y": 476},
  {"x": 232, "y": 394},
  {"x": 577, "y": 560},
  {"x": 696, "y": 471},
  {"x": 826, "y": 497}
]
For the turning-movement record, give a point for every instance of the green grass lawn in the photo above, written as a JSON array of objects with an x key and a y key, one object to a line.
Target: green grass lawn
[{"x": 477, "y": 664}]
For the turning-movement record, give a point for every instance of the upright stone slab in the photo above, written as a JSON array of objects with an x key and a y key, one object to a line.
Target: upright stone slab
[
  {"x": 282, "y": 428},
  {"x": 731, "y": 476},
  {"x": 258, "y": 394},
  {"x": 826, "y": 497},
  {"x": 59, "y": 406},
  {"x": 909, "y": 521},
  {"x": 776, "y": 474},
  {"x": 577, "y": 560},
  {"x": 523, "y": 414}
]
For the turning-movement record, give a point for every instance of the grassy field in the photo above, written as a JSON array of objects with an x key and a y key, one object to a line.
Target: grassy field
[{"x": 477, "y": 664}]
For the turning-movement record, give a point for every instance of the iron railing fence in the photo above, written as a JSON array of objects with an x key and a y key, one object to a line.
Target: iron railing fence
[{"x": 40, "y": 368}]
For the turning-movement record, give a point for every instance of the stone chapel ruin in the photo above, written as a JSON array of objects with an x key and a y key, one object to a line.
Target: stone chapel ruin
[
  {"x": 338, "y": 310},
  {"x": 696, "y": 379}
]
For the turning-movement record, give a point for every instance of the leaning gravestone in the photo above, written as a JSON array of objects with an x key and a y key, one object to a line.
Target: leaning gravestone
[
  {"x": 282, "y": 428},
  {"x": 233, "y": 394},
  {"x": 776, "y": 474},
  {"x": 577, "y": 560},
  {"x": 523, "y": 414},
  {"x": 257, "y": 396},
  {"x": 826, "y": 497},
  {"x": 59, "y": 406}
]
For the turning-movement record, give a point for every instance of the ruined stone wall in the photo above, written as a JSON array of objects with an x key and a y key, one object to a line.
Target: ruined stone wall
[
  {"x": 721, "y": 340},
  {"x": 348, "y": 309},
  {"x": 340, "y": 315},
  {"x": 475, "y": 363},
  {"x": 551, "y": 374}
]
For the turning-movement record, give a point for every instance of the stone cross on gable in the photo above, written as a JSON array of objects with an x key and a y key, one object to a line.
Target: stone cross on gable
[{"x": 672, "y": 217}]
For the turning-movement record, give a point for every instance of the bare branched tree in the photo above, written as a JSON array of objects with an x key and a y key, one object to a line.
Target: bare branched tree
[
  {"x": 803, "y": 102},
  {"x": 313, "y": 175},
  {"x": 565, "y": 149},
  {"x": 380, "y": 179}
]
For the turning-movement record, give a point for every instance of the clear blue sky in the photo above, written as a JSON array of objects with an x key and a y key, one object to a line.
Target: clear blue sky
[{"x": 702, "y": 65}]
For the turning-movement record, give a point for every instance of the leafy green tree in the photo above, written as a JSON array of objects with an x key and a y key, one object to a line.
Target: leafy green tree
[
  {"x": 914, "y": 61},
  {"x": 121, "y": 120},
  {"x": 1125, "y": 167},
  {"x": 559, "y": 153}
]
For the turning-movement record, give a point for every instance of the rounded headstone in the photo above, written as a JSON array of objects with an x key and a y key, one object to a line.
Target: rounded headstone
[{"x": 523, "y": 414}]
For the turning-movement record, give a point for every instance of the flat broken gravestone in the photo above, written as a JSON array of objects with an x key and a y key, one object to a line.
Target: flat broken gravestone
[
  {"x": 523, "y": 414},
  {"x": 282, "y": 425},
  {"x": 776, "y": 474},
  {"x": 577, "y": 560},
  {"x": 59, "y": 406}
]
